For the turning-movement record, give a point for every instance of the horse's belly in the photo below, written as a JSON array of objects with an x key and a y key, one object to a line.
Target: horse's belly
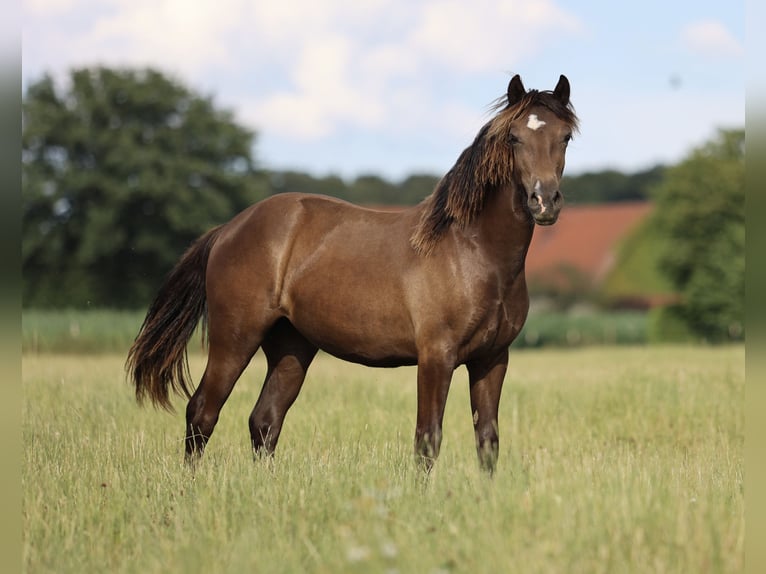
[{"x": 364, "y": 329}]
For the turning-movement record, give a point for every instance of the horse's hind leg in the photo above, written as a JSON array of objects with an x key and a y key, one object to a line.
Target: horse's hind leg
[
  {"x": 289, "y": 355},
  {"x": 230, "y": 349}
]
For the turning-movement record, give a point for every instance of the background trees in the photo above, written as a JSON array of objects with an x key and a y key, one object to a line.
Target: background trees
[
  {"x": 700, "y": 218},
  {"x": 122, "y": 169},
  {"x": 610, "y": 185}
]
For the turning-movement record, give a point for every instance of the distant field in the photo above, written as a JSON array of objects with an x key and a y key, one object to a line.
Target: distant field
[
  {"x": 109, "y": 331},
  {"x": 613, "y": 459}
]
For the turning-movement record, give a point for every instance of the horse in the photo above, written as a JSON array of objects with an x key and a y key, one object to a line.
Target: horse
[{"x": 437, "y": 285}]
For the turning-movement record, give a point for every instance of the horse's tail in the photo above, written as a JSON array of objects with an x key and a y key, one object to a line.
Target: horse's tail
[{"x": 157, "y": 360}]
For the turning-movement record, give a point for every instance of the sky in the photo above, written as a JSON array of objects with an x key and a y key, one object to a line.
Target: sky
[{"x": 396, "y": 87}]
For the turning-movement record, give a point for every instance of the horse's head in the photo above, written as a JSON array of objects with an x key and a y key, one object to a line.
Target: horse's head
[
  {"x": 521, "y": 148},
  {"x": 538, "y": 127}
]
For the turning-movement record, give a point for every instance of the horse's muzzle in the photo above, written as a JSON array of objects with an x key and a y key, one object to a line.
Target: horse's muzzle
[{"x": 545, "y": 206}]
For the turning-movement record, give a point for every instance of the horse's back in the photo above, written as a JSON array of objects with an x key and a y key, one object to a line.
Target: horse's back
[{"x": 337, "y": 271}]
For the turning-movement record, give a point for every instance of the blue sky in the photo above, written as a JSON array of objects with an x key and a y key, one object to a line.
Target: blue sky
[{"x": 394, "y": 87}]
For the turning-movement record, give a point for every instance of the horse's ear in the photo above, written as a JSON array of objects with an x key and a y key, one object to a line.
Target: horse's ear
[
  {"x": 516, "y": 90},
  {"x": 561, "y": 91}
]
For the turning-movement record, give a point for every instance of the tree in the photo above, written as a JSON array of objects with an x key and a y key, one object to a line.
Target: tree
[
  {"x": 372, "y": 189},
  {"x": 610, "y": 185},
  {"x": 700, "y": 213},
  {"x": 121, "y": 171},
  {"x": 294, "y": 181},
  {"x": 415, "y": 188}
]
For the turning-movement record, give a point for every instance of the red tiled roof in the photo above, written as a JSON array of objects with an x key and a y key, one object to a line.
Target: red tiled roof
[{"x": 584, "y": 238}]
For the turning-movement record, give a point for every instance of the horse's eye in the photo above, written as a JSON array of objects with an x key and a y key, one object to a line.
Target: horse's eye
[
  {"x": 514, "y": 139},
  {"x": 567, "y": 139}
]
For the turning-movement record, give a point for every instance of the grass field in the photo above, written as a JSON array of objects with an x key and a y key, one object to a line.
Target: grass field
[
  {"x": 110, "y": 331},
  {"x": 622, "y": 459}
]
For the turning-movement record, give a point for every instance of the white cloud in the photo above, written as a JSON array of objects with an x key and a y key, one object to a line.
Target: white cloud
[
  {"x": 711, "y": 38},
  {"x": 344, "y": 69},
  {"x": 324, "y": 93},
  {"x": 174, "y": 35},
  {"x": 341, "y": 61},
  {"x": 490, "y": 35},
  {"x": 167, "y": 32},
  {"x": 51, "y": 6}
]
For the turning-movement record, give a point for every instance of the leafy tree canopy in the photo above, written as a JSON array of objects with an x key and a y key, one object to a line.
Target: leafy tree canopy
[
  {"x": 121, "y": 170},
  {"x": 700, "y": 215},
  {"x": 610, "y": 185}
]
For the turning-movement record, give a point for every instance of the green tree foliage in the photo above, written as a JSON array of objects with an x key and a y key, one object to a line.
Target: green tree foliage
[
  {"x": 700, "y": 213},
  {"x": 366, "y": 189},
  {"x": 369, "y": 189},
  {"x": 416, "y": 187},
  {"x": 610, "y": 185},
  {"x": 636, "y": 277},
  {"x": 122, "y": 170},
  {"x": 298, "y": 182}
]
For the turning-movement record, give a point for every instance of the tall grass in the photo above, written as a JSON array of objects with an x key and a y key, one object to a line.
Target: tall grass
[
  {"x": 612, "y": 460},
  {"x": 77, "y": 331}
]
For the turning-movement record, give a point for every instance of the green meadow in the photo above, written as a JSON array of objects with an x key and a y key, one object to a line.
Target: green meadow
[
  {"x": 612, "y": 459},
  {"x": 113, "y": 331}
]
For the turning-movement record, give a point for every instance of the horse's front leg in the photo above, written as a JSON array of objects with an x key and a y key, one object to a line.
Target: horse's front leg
[
  {"x": 434, "y": 376},
  {"x": 486, "y": 380}
]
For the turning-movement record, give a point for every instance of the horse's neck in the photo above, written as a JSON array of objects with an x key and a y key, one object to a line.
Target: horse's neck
[{"x": 505, "y": 228}]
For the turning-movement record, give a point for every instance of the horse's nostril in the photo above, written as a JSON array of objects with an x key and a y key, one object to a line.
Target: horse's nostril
[{"x": 557, "y": 197}]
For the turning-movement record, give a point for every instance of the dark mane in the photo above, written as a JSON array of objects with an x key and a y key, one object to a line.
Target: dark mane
[{"x": 483, "y": 167}]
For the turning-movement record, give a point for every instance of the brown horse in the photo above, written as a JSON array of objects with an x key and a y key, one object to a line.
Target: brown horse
[{"x": 438, "y": 285}]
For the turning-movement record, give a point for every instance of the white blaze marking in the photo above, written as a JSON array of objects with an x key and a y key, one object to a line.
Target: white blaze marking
[
  {"x": 537, "y": 192},
  {"x": 533, "y": 123}
]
